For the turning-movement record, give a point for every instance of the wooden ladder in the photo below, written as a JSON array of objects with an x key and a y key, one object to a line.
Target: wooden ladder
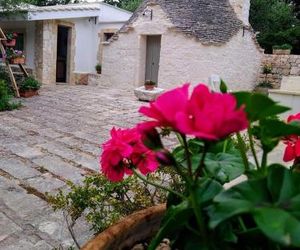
[{"x": 11, "y": 75}]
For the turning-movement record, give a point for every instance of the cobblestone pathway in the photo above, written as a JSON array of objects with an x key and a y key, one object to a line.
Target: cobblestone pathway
[{"x": 55, "y": 137}]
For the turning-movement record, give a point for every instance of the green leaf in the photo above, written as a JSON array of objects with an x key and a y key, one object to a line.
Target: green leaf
[
  {"x": 275, "y": 128},
  {"x": 195, "y": 145},
  {"x": 278, "y": 225},
  {"x": 272, "y": 201},
  {"x": 179, "y": 154},
  {"x": 242, "y": 198},
  {"x": 206, "y": 190},
  {"x": 223, "y": 166},
  {"x": 225, "y": 146},
  {"x": 176, "y": 218},
  {"x": 223, "y": 87},
  {"x": 270, "y": 131},
  {"x": 254, "y": 102}
]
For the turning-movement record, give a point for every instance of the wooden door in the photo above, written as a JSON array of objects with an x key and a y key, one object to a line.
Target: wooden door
[
  {"x": 153, "y": 57},
  {"x": 62, "y": 54}
]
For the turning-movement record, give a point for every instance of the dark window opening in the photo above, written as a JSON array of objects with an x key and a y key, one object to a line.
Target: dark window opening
[
  {"x": 62, "y": 54},
  {"x": 107, "y": 36},
  {"x": 20, "y": 42}
]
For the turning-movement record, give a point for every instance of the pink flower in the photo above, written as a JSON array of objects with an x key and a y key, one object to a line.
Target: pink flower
[
  {"x": 295, "y": 117},
  {"x": 167, "y": 106},
  {"x": 292, "y": 150},
  {"x": 144, "y": 159},
  {"x": 150, "y": 136},
  {"x": 122, "y": 152},
  {"x": 206, "y": 115},
  {"x": 211, "y": 116}
]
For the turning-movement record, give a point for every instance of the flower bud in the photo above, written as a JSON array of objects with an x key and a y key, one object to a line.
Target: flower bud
[
  {"x": 150, "y": 136},
  {"x": 164, "y": 157}
]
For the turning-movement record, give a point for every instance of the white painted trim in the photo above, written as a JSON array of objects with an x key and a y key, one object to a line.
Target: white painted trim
[{"x": 50, "y": 15}]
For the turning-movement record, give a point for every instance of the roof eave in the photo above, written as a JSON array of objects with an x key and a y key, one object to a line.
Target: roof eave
[{"x": 51, "y": 15}]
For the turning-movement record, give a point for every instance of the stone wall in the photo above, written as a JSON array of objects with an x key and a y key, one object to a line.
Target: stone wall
[
  {"x": 81, "y": 78},
  {"x": 281, "y": 65},
  {"x": 38, "y": 52},
  {"x": 46, "y": 49},
  {"x": 45, "y": 53},
  {"x": 182, "y": 58}
]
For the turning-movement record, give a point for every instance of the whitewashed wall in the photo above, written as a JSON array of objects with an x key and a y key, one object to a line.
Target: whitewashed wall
[
  {"x": 87, "y": 35},
  {"x": 87, "y": 29},
  {"x": 183, "y": 59},
  {"x": 87, "y": 42}
]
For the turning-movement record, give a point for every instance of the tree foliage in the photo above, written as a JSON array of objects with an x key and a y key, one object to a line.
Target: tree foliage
[
  {"x": 10, "y": 5},
  {"x": 130, "y": 5},
  {"x": 276, "y": 22},
  {"x": 52, "y": 2}
]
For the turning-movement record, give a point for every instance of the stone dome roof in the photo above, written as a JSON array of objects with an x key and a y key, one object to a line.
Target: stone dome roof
[{"x": 210, "y": 21}]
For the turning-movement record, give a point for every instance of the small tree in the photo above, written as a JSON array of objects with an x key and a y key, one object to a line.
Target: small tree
[
  {"x": 130, "y": 5},
  {"x": 276, "y": 23}
]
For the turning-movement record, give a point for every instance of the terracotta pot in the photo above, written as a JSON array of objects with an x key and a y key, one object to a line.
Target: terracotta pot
[
  {"x": 17, "y": 60},
  {"x": 133, "y": 229},
  {"x": 149, "y": 87},
  {"x": 11, "y": 43},
  {"x": 28, "y": 93}
]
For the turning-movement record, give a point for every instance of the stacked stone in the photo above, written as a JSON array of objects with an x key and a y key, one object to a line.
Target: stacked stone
[{"x": 282, "y": 65}]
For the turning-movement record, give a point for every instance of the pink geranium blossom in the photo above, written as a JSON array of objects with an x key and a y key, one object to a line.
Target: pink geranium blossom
[
  {"x": 211, "y": 116},
  {"x": 122, "y": 152},
  {"x": 167, "y": 106},
  {"x": 292, "y": 150},
  {"x": 206, "y": 115}
]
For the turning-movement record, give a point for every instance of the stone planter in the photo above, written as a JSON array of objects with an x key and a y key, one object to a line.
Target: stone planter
[
  {"x": 28, "y": 93},
  {"x": 262, "y": 90},
  {"x": 11, "y": 43},
  {"x": 147, "y": 95},
  {"x": 17, "y": 60},
  {"x": 133, "y": 229},
  {"x": 281, "y": 51}
]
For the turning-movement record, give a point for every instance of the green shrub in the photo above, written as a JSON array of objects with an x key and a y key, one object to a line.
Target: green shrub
[
  {"x": 5, "y": 98},
  {"x": 4, "y": 75},
  {"x": 267, "y": 69},
  {"x": 103, "y": 202},
  {"x": 289, "y": 36},
  {"x": 265, "y": 84},
  {"x": 283, "y": 46},
  {"x": 98, "y": 68},
  {"x": 29, "y": 84}
]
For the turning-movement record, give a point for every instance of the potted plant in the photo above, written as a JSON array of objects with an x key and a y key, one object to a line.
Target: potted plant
[
  {"x": 149, "y": 85},
  {"x": 267, "y": 69},
  {"x": 260, "y": 210},
  {"x": 29, "y": 87},
  {"x": 117, "y": 200},
  {"x": 263, "y": 87},
  {"x": 15, "y": 56},
  {"x": 98, "y": 68},
  {"x": 284, "y": 49},
  {"x": 11, "y": 39}
]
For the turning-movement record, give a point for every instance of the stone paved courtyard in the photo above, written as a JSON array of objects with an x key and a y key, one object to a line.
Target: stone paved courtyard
[{"x": 55, "y": 137}]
